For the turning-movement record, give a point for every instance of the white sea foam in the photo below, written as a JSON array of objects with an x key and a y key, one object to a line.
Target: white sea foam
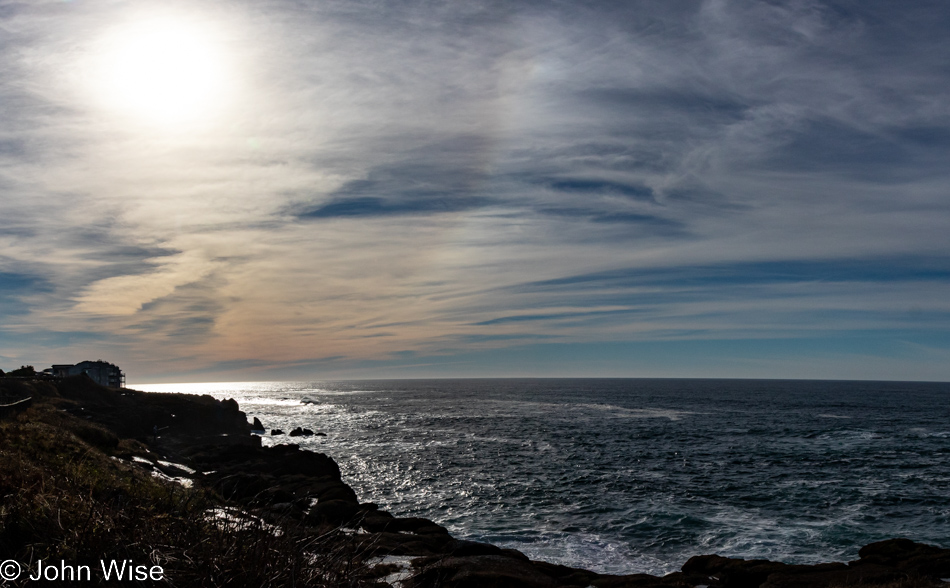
[
  {"x": 633, "y": 413},
  {"x": 170, "y": 464},
  {"x": 259, "y": 401}
]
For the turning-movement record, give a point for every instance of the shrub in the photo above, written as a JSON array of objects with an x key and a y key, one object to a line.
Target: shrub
[
  {"x": 25, "y": 371},
  {"x": 64, "y": 498}
]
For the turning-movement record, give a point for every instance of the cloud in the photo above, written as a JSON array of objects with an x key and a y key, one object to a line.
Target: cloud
[
  {"x": 368, "y": 206},
  {"x": 779, "y": 271},
  {"x": 388, "y": 181},
  {"x": 603, "y": 187}
]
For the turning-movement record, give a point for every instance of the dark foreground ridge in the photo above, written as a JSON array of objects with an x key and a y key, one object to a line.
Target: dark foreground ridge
[{"x": 179, "y": 481}]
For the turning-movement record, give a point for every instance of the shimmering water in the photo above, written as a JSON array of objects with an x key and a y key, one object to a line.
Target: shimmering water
[{"x": 626, "y": 476}]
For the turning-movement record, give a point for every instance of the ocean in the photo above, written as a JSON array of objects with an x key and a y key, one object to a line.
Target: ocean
[{"x": 633, "y": 475}]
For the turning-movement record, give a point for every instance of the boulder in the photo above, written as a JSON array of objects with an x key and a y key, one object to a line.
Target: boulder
[
  {"x": 336, "y": 491},
  {"x": 376, "y": 522},
  {"x": 405, "y": 544},
  {"x": 383, "y": 521},
  {"x": 835, "y": 574},
  {"x": 733, "y": 572},
  {"x": 907, "y": 556},
  {"x": 333, "y": 512},
  {"x": 276, "y": 432},
  {"x": 482, "y": 571},
  {"x": 463, "y": 548}
]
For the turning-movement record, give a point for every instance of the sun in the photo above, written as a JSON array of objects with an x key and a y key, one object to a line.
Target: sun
[{"x": 162, "y": 70}]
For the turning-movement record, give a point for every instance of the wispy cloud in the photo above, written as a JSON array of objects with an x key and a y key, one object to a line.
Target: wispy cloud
[{"x": 400, "y": 184}]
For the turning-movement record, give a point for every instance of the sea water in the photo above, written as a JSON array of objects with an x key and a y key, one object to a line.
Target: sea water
[{"x": 634, "y": 476}]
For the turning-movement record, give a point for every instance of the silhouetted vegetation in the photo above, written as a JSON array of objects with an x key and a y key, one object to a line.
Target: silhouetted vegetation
[
  {"x": 25, "y": 371},
  {"x": 67, "y": 496}
]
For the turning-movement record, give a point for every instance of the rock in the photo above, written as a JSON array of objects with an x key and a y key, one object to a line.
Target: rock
[
  {"x": 241, "y": 485},
  {"x": 274, "y": 495},
  {"x": 834, "y": 574},
  {"x": 285, "y": 509},
  {"x": 907, "y": 556},
  {"x": 380, "y": 521},
  {"x": 333, "y": 512},
  {"x": 432, "y": 529},
  {"x": 564, "y": 575},
  {"x": 319, "y": 434},
  {"x": 376, "y": 522},
  {"x": 406, "y": 544},
  {"x": 276, "y": 432},
  {"x": 463, "y": 548},
  {"x": 257, "y": 427},
  {"x": 183, "y": 418},
  {"x": 733, "y": 572},
  {"x": 307, "y": 432},
  {"x": 297, "y": 432},
  {"x": 517, "y": 555},
  {"x": 675, "y": 580},
  {"x": 337, "y": 491},
  {"x": 483, "y": 571}
]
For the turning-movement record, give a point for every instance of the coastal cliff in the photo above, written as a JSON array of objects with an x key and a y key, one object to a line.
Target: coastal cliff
[{"x": 179, "y": 481}]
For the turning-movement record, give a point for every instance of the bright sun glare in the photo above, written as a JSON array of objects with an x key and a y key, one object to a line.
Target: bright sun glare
[{"x": 162, "y": 71}]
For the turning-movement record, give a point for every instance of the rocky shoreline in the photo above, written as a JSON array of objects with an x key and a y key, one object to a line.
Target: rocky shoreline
[{"x": 204, "y": 443}]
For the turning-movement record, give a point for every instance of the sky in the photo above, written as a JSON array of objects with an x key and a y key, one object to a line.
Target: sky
[{"x": 238, "y": 190}]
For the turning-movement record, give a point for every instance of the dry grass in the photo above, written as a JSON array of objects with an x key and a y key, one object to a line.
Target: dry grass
[{"x": 63, "y": 497}]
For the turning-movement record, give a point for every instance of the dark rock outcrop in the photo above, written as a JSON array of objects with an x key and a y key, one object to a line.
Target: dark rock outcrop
[
  {"x": 183, "y": 419},
  {"x": 908, "y": 557},
  {"x": 885, "y": 562},
  {"x": 482, "y": 571}
]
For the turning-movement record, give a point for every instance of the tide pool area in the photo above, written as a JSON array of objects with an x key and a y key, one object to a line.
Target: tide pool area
[{"x": 628, "y": 476}]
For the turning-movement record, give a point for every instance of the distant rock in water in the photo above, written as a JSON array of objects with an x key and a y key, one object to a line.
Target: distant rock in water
[
  {"x": 276, "y": 432},
  {"x": 299, "y": 432},
  {"x": 257, "y": 427}
]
